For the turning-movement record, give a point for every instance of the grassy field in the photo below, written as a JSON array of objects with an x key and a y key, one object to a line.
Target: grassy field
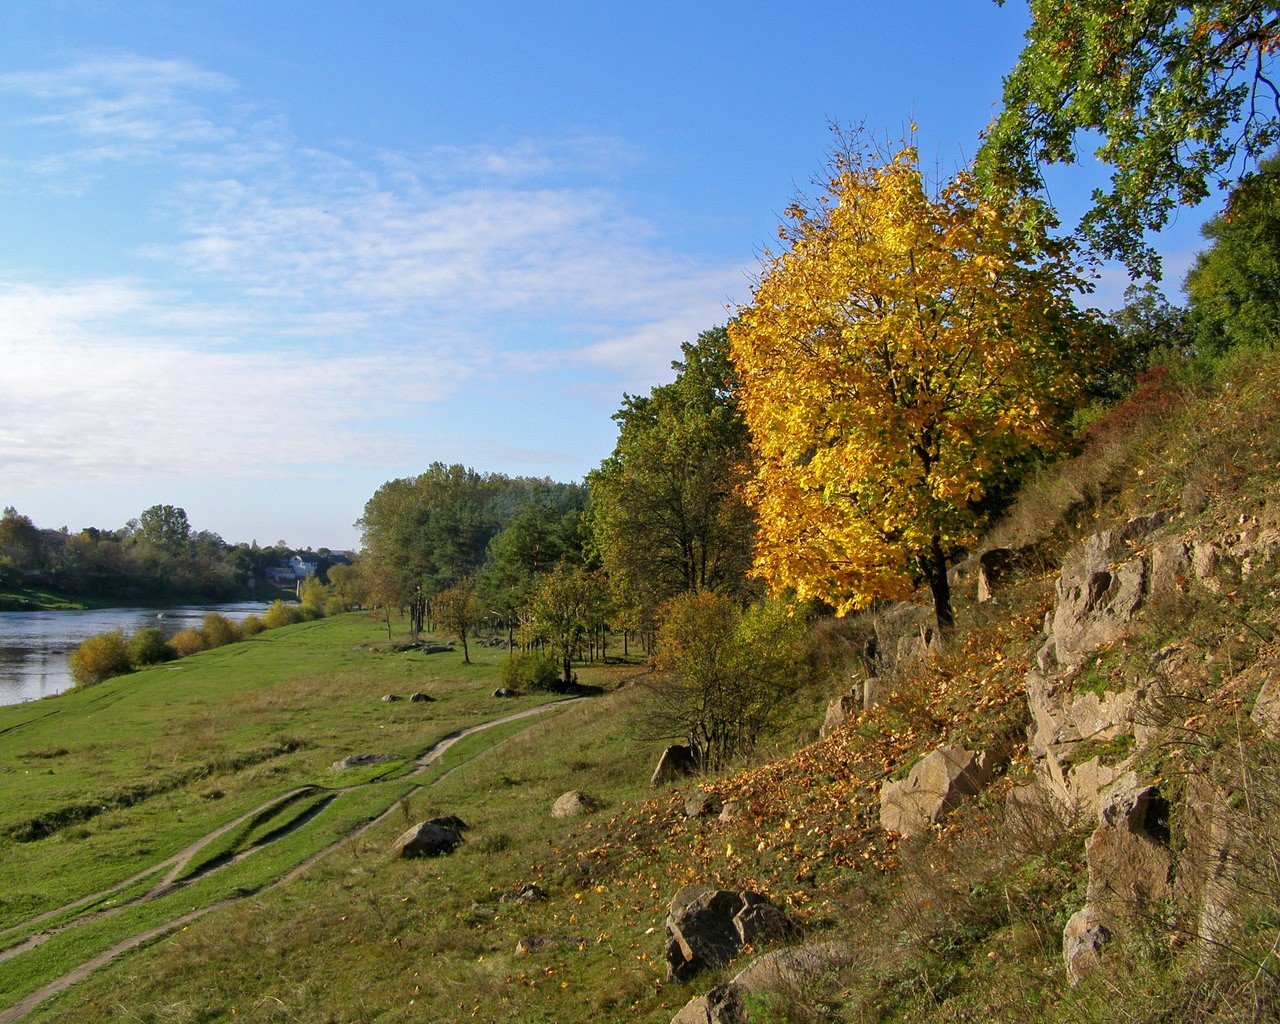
[{"x": 107, "y": 792}]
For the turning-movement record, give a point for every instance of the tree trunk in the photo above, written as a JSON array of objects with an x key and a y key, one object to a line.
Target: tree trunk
[{"x": 933, "y": 565}]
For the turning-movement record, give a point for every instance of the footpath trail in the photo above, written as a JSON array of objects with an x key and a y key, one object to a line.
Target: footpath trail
[{"x": 177, "y": 864}]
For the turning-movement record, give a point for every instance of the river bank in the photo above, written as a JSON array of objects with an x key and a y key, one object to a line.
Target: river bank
[{"x": 35, "y": 645}]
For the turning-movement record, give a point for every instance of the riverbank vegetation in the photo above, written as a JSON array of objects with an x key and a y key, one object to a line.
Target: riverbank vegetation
[{"x": 156, "y": 558}]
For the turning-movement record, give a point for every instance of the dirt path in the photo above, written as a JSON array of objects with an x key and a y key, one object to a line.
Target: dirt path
[{"x": 178, "y": 862}]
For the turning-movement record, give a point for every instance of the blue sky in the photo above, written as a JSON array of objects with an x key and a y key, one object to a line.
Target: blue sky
[{"x": 258, "y": 258}]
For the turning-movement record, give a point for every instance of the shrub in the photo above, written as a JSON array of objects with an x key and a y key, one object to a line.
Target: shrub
[
  {"x": 530, "y": 670},
  {"x": 100, "y": 657},
  {"x": 251, "y": 625},
  {"x": 281, "y": 614},
  {"x": 334, "y": 606},
  {"x": 309, "y": 613},
  {"x": 218, "y": 631},
  {"x": 148, "y": 647},
  {"x": 186, "y": 642}
]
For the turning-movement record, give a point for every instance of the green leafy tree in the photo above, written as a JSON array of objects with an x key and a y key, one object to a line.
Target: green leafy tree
[
  {"x": 20, "y": 540},
  {"x": 165, "y": 526},
  {"x": 665, "y": 510},
  {"x": 567, "y": 603},
  {"x": 1234, "y": 287},
  {"x": 1146, "y": 325},
  {"x": 1180, "y": 94},
  {"x": 724, "y": 674},
  {"x": 537, "y": 538},
  {"x": 457, "y": 613}
]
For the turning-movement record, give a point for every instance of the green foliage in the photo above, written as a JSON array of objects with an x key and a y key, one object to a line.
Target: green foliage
[
  {"x": 251, "y": 625},
  {"x": 665, "y": 512},
  {"x": 457, "y": 612},
  {"x": 1234, "y": 287},
  {"x": 99, "y": 658},
  {"x": 218, "y": 631},
  {"x": 148, "y": 647},
  {"x": 538, "y": 536},
  {"x": 313, "y": 593},
  {"x": 567, "y": 602},
  {"x": 281, "y": 614},
  {"x": 165, "y": 526},
  {"x": 726, "y": 674},
  {"x": 530, "y": 670},
  {"x": 1176, "y": 91},
  {"x": 334, "y": 606},
  {"x": 21, "y": 545}
]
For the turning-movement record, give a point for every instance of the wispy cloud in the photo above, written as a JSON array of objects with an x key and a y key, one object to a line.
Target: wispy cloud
[{"x": 434, "y": 268}]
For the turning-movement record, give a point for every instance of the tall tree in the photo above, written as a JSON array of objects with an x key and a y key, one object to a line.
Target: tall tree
[
  {"x": 906, "y": 351},
  {"x": 1181, "y": 95},
  {"x": 567, "y": 604},
  {"x": 665, "y": 510},
  {"x": 1234, "y": 287},
  {"x": 165, "y": 526}
]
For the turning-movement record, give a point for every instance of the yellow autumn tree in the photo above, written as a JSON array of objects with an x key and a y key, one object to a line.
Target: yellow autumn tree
[{"x": 898, "y": 358}]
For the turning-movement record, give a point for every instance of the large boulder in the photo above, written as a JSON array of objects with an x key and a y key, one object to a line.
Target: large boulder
[
  {"x": 782, "y": 971},
  {"x": 677, "y": 761},
  {"x": 933, "y": 788},
  {"x": 571, "y": 804},
  {"x": 840, "y": 710},
  {"x": 707, "y": 927},
  {"x": 1083, "y": 940},
  {"x": 430, "y": 838},
  {"x": 993, "y": 566},
  {"x": 700, "y": 803},
  {"x": 1130, "y": 867}
]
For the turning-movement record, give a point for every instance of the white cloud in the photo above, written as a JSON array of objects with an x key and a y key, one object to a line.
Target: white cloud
[{"x": 354, "y": 290}]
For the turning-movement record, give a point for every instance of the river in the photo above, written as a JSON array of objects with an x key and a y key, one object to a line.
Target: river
[{"x": 35, "y": 646}]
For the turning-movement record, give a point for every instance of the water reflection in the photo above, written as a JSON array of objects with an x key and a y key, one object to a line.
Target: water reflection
[{"x": 35, "y": 646}]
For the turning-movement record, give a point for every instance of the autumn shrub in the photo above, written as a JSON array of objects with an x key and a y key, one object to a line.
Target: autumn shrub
[
  {"x": 148, "y": 647},
  {"x": 186, "y": 642},
  {"x": 251, "y": 625},
  {"x": 334, "y": 606},
  {"x": 281, "y": 614},
  {"x": 100, "y": 657},
  {"x": 530, "y": 670},
  {"x": 218, "y": 631}
]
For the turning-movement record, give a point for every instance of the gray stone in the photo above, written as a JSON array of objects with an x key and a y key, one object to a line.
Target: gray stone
[
  {"x": 699, "y": 803},
  {"x": 1082, "y": 942},
  {"x": 572, "y": 804},
  {"x": 936, "y": 784},
  {"x": 731, "y": 811},
  {"x": 840, "y": 710},
  {"x": 707, "y": 927},
  {"x": 388, "y": 698},
  {"x": 530, "y": 892},
  {"x": 430, "y": 838},
  {"x": 1130, "y": 866},
  {"x": 993, "y": 567},
  {"x": 874, "y": 691},
  {"x": 360, "y": 760},
  {"x": 676, "y": 761},
  {"x": 505, "y": 691},
  {"x": 542, "y": 943},
  {"x": 420, "y": 698}
]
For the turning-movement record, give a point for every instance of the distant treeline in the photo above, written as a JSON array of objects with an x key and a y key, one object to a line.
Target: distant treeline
[{"x": 156, "y": 556}]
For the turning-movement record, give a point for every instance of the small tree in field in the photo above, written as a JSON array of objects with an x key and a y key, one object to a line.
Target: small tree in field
[
  {"x": 457, "y": 613},
  {"x": 567, "y": 603},
  {"x": 724, "y": 674},
  {"x": 99, "y": 658},
  {"x": 904, "y": 355}
]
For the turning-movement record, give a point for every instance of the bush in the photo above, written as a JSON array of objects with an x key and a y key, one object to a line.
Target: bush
[
  {"x": 100, "y": 657},
  {"x": 218, "y": 631},
  {"x": 309, "y": 613},
  {"x": 530, "y": 670},
  {"x": 281, "y": 614},
  {"x": 334, "y": 606},
  {"x": 148, "y": 647},
  {"x": 186, "y": 642},
  {"x": 251, "y": 625}
]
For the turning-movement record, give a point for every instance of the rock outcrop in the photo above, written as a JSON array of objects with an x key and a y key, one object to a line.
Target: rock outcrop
[
  {"x": 937, "y": 783},
  {"x": 840, "y": 710},
  {"x": 676, "y": 762},
  {"x": 430, "y": 838},
  {"x": 572, "y": 804},
  {"x": 360, "y": 760},
  {"x": 707, "y": 927},
  {"x": 699, "y": 803},
  {"x": 781, "y": 972}
]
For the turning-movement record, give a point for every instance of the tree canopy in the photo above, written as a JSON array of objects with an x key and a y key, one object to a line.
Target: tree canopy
[
  {"x": 665, "y": 510},
  {"x": 1234, "y": 286},
  {"x": 897, "y": 361},
  {"x": 1181, "y": 96}
]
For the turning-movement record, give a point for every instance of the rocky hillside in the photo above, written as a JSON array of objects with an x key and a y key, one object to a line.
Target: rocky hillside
[{"x": 1070, "y": 813}]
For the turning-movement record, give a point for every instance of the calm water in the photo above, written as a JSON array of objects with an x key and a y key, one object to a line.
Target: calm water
[{"x": 35, "y": 646}]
